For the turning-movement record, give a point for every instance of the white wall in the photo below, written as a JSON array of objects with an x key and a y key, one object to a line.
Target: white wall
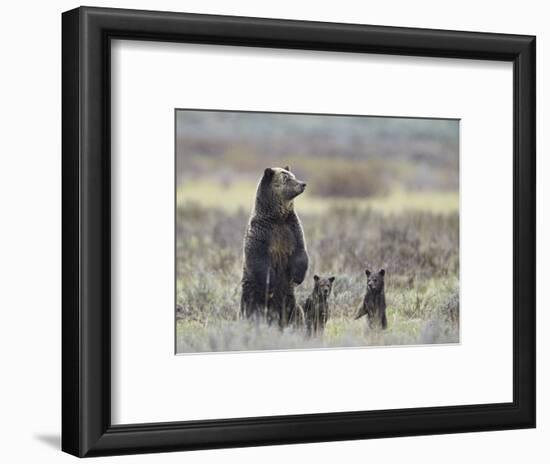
[{"x": 30, "y": 245}]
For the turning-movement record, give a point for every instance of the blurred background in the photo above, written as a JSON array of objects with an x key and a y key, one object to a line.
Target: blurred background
[
  {"x": 340, "y": 157},
  {"x": 382, "y": 192}
]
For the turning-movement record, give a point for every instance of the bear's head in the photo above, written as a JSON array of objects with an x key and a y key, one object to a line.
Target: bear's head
[
  {"x": 283, "y": 183},
  {"x": 375, "y": 280},
  {"x": 323, "y": 286}
]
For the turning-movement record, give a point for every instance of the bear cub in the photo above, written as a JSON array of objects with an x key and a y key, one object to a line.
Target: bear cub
[
  {"x": 374, "y": 303},
  {"x": 316, "y": 308}
]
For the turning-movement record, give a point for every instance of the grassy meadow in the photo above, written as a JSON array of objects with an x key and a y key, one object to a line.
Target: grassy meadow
[
  {"x": 392, "y": 212},
  {"x": 418, "y": 249}
]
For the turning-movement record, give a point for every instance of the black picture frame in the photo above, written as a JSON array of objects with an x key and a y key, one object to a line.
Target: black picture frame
[{"x": 86, "y": 227}]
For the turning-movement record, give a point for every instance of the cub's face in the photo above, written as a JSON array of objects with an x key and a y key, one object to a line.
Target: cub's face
[
  {"x": 284, "y": 184},
  {"x": 323, "y": 286},
  {"x": 375, "y": 280}
]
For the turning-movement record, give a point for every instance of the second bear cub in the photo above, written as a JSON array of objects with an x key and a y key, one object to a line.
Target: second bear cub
[
  {"x": 316, "y": 309},
  {"x": 374, "y": 304}
]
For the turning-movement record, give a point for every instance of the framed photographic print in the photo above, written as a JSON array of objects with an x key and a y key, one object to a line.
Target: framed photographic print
[
  {"x": 285, "y": 231},
  {"x": 382, "y": 195}
]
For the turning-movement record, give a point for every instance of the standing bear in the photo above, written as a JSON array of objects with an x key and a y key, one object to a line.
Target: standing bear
[
  {"x": 316, "y": 308},
  {"x": 374, "y": 303},
  {"x": 275, "y": 256}
]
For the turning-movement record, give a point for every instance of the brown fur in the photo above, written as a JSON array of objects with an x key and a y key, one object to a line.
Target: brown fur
[
  {"x": 316, "y": 307},
  {"x": 281, "y": 245},
  {"x": 374, "y": 303},
  {"x": 275, "y": 256}
]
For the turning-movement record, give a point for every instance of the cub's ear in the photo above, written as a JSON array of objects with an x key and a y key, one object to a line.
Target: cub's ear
[
  {"x": 382, "y": 272},
  {"x": 367, "y": 272},
  {"x": 287, "y": 168},
  {"x": 331, "y": 279},
  {"x": 268, "y": 173},
  {"x": 316, "y": 278}
]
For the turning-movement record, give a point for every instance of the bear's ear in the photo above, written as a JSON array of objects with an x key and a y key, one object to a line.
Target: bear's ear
[
  {"x": 331, "y": 279},
  {"x": 382, "y": 272},
  {"x": 287, "y": 168},
  {"x": 367, "y": 272},
  {"x": 316, "y": 278},
  {"x": 268, "y": 173}
]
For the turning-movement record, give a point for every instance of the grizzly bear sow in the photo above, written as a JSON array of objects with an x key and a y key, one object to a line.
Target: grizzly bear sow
[{"x": 275, "y": 256}]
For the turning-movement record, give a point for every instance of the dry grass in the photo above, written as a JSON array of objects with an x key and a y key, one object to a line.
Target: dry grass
[
  {"x": 234, "y": 195},
  {"x": 418, "y": 249}
]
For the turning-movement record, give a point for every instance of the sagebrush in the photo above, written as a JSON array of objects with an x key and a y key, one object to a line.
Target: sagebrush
[{"x": 419, "y": 251}]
